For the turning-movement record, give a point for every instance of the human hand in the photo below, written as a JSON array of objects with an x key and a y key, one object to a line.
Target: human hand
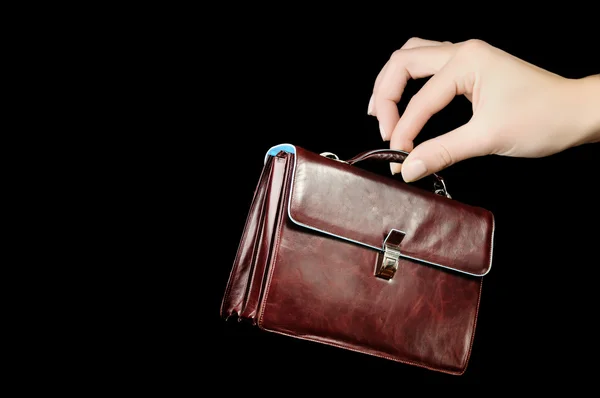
[{"x": 519, "y": 109}]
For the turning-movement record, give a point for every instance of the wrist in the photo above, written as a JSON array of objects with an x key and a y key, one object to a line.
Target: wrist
[{"x": 584, "y": 99}]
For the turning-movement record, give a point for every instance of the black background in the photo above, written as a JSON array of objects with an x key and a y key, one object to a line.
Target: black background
[
  {"x": 306, "y": 80},
  {"x": 172, "y": 110}
]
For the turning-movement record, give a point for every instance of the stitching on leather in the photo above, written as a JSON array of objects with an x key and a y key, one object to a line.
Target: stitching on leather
[{"x": 237, "y": 255}]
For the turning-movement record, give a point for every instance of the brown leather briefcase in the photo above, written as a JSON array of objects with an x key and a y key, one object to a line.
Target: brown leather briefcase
[{"x": 340, "y": 255}]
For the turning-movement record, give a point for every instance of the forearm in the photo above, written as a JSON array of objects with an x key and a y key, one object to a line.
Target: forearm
[{"x": 586, "y": 108}]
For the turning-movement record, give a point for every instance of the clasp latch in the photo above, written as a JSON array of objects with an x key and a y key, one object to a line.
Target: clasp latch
[{"x": 387, "y": 262}]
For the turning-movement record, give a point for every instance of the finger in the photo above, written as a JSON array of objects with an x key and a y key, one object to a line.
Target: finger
[
  {"x": 438, "y": 92},
  {"x": 408, "y": 64},
  {"x": 418, "y": 42},
  {"x": 372, "y": 111},
  {"x": 438, "y": 153},
  {"x": 411, "y": 43}
]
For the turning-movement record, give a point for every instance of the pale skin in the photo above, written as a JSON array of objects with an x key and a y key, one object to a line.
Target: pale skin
[{"x": 519, "y": 109}]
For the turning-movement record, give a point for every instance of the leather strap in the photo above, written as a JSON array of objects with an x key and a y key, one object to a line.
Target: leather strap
[
  {"x": 386, "y": 155},
  {"x": 397, "y": 156}
]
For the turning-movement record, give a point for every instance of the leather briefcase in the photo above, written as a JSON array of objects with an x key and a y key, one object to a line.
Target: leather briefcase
[{"x": 340, "y": 255}]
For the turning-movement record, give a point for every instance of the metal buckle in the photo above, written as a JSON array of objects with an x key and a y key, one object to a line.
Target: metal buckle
[
  {"x": 440, "y": 187},
  {"x": 387, "y": 263}
]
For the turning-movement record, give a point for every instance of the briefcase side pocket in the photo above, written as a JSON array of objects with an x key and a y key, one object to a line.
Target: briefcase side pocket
[
  {"x": 274, "y": 207},
  {"x": 245, "y": 285},
  {"x": 237, "y": 284}
]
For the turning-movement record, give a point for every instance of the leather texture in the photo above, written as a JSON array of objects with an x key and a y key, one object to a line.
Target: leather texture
[
  {"x": 246, "y": 279},
  {"x": 306, "y": 260},
  {"x": 388, "y": 155},
  {"x": 362, "y": 206}
]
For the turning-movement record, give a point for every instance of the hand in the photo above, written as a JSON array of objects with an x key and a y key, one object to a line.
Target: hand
[{"x": 518, "y": 109}]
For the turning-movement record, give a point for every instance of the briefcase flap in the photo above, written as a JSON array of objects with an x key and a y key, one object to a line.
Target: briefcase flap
[{"x": 361, "y": 207}]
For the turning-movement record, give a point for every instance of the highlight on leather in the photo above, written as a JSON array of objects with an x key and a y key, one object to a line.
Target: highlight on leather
[{"x": 316, "y": 233}]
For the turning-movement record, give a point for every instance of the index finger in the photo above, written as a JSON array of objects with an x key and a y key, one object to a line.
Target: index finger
[
  {"x": 404, "y": 65},
  {"x": 413, "y": 42}
]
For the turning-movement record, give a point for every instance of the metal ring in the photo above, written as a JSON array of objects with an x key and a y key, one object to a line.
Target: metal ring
[{"x": 330, "y": 155}]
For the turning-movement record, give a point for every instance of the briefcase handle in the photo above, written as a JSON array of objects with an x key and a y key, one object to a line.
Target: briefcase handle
[{"x": 395, "y": 156}]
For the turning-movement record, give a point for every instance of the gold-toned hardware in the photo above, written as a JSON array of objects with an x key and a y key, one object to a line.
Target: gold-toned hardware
[{"x": 387, "y": 262}]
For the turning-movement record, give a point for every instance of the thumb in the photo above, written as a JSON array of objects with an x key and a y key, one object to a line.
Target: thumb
[{"x": 438, "y": 153}]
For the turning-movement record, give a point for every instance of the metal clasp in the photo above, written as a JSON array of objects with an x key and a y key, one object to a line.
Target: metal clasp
[
  {"x": 439, "y": 187},
  {"x": 387, "y": 262}
]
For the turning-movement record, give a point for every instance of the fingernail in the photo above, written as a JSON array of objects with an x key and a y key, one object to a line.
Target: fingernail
[
  {"x": 370, "y": 108},
  {"x": 395, "y": 168},
  {"x": 382, "y": 131},
  {"x": 413, "y": 170}
]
